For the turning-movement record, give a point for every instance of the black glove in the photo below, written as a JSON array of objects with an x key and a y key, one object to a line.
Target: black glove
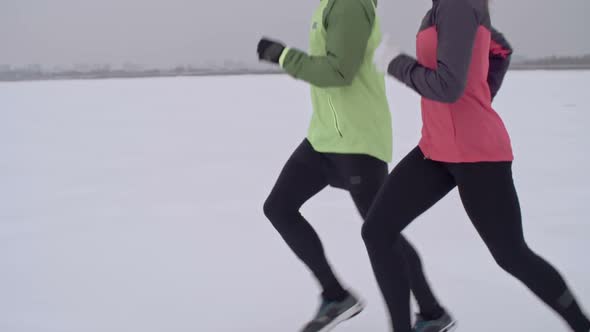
[{"x": 270, "y": 50}]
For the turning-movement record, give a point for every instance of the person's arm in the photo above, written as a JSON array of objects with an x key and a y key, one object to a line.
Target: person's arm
[
  {"x": 500, "y": 53},
  {"x": 349, "y": 24},
  {"x": 457, "y": 24}
]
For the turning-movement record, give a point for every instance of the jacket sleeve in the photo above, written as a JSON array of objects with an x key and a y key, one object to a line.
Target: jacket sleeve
[
  {"x": 348, "y": 25},
  {"x": 500, "y": 53},
  {"x": 457, "y": 24}
]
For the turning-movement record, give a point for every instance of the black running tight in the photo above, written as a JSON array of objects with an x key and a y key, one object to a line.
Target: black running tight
[
  {"x": 305, "y": 174},
  {"x": 489, "y": 197}
]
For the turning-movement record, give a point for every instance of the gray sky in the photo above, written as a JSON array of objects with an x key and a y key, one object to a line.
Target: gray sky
[{"x": 170, "y": 32}]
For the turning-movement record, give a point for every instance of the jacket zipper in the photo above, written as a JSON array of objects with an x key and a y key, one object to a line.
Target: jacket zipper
[{"x": 335, "y": 116}]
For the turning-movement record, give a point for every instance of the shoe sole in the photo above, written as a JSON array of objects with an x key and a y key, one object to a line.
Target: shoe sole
[
  {"x": 348, "y": 314},
  {"x": 452, "y": 325}
]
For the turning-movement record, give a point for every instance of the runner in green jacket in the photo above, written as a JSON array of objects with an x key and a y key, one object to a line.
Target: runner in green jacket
[{"x": 348, "y": 145}]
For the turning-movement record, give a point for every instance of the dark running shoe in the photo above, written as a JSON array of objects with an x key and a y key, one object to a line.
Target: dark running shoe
[
  {"x": 445, "y": 323},
  {"x": 331, "y": 314}
]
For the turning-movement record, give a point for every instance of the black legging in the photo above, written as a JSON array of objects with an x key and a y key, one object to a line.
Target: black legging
[
  {"x": 305, "y": 174},
  {"x": 489, "y": 197}
]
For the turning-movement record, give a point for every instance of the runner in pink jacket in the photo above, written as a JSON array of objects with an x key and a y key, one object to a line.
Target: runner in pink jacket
[{"x": 461, "y": 62}]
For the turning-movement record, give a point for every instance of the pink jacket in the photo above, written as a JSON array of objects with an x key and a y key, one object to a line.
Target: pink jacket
[{"x": 461, "y": 63}]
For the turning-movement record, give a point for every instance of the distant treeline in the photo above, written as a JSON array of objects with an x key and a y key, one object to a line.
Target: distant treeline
[
  {"x": 37, "y": 72},
  {"x": 30, "y": 75},
  {"x": 554, "y": 62}
]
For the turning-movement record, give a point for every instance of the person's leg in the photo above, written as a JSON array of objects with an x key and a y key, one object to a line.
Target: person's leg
[
  {"x": 414, "y": 186},
  {"x": 490, "y": 199},
  {"x": 300, "y": 179},
  {"x": 364, "y": 175}
]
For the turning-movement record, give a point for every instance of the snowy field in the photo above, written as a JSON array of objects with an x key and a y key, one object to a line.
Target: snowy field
[{"x": 136, "y": 206}]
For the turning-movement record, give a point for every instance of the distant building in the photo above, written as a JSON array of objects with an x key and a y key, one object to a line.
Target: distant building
[
  {"x": 132, "y": 67},
  {"x": 5, "y": 68},
  {"x": 103, "y": 68},
  {"x": 59, "y": 69},
  {"x": 83, "y": 68},
  {"x": 34, "y": 69}
]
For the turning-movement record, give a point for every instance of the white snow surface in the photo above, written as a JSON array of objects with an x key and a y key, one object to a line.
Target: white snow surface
[{"x": 135, "y": 205}]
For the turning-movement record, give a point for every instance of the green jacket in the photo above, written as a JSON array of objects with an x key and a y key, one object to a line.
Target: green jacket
[{"x": 350, "y": 108}]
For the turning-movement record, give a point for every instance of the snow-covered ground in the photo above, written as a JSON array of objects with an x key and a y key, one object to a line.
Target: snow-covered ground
[{"x": 136, "y": 205}]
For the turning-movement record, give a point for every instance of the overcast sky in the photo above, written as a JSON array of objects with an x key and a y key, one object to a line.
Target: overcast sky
[{"x": 170, "y": 32}]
